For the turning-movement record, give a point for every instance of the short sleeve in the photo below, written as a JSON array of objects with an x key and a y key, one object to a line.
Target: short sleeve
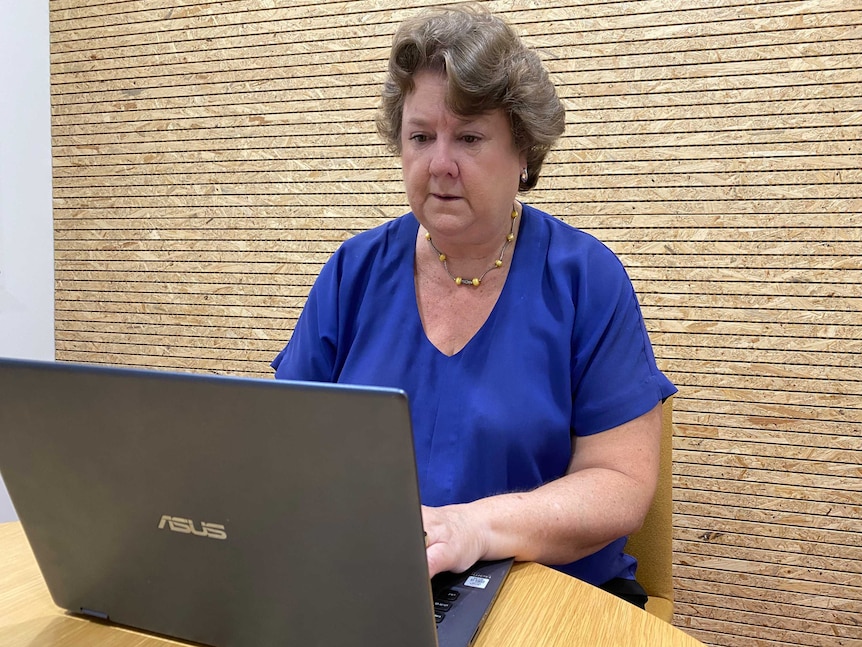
[
  {"x": 614, "y": 374},
  {"x": 310, "y": 353}
]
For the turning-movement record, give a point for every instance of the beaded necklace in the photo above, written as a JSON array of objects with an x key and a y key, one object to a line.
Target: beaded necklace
[{"x": 497, "y": 264}]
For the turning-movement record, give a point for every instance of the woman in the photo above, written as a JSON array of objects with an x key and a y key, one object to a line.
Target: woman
[{"x": 519, "y": 340}]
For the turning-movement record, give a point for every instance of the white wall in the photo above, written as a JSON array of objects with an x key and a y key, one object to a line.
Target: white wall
[{"x": 26, "y": 223}]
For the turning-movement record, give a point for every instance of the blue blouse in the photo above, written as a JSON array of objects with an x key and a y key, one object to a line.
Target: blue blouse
[{"x": 564, "y": 351}]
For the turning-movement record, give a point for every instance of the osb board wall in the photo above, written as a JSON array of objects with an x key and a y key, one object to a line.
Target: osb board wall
[{"x": 209, "y": 156}]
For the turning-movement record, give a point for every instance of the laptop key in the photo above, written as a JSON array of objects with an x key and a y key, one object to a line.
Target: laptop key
[
  {"x": 450, "y": 595},
  {"x": 439, "y": 605}
]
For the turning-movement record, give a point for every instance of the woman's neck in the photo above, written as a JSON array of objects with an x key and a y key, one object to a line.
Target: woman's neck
[{"x": 469, "y": 262}]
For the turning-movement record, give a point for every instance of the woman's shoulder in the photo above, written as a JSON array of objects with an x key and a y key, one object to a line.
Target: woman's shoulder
[
  {"x": 379, "y": 242},
  {"x": 568, "y": 244}
]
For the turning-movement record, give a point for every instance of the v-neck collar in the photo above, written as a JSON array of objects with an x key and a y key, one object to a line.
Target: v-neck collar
[{"x": 410, "y": 231}]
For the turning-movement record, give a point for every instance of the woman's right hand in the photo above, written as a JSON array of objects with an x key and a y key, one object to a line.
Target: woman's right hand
[{"x": 455, "y": 537}]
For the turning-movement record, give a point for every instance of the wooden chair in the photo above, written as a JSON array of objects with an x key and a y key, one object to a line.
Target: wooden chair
[{"x": 652, "y": 545}]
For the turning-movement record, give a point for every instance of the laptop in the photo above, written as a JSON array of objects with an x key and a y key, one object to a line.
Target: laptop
[{"x": 229, "y": 511}]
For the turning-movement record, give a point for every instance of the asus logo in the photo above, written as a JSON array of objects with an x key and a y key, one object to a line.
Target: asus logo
[{"x": 187, "y": 527}]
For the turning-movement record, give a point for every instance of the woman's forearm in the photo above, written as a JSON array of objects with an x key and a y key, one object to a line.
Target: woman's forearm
[{"x": 605, "y": 495}]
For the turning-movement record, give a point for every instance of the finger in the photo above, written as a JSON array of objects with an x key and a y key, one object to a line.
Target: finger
[{"x": 439, "y": 556}]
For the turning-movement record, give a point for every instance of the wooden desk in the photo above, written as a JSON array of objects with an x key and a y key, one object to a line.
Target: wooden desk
[{"x": 537, "y": 606}]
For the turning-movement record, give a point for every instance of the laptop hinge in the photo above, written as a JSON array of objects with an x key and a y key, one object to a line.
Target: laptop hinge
[{"x": 94, "y": 614}]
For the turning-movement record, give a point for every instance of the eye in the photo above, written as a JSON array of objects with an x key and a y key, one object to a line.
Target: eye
[
  {"x": 470, "y": 139},
  {"x": 419, "y": 138}
]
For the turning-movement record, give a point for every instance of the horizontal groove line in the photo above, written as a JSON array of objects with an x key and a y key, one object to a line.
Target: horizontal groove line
[
  {"x": 722, "y": 361},
  {"x": 713, "y": 491},
  {"x": 774, "y": 526},
  {"x": 760, "y": 74},
  {"x": 195, "y": 327},
  {"x": 650, "y": 107},
  {"x": 364, "y": 182},
  {"x": 677, "y": 268},
  {"x": 579, "y": 70},
  {"x": 706, "y": 145},
  {"x": 160, "y": 337},
  {"x": 514, "y": 11},
  {"x": 736, "y": 621},
  {"x": 748, "y": 537},
  {"x": 214, "y": 201},
  {"x": 696, "y": 491},
  {"x": 323, "y": 113},
  {"x": 769, "y": 601},
  {"x": 627, "y": 227},
  {"x": 640, "y": 292},
  {"x": 576, "y": 58},
  {"x": 327, "y": 253},
  {"x": 138, "y": 313},
  {"x": 517, "y": 26},
  {"x": 811, "y": 405},
  {"x": 347, "y": 170},
  {"x": 771, "y": 470},
  {"x": 609, "y": 228},
  {"x": 766, "y": 419}
]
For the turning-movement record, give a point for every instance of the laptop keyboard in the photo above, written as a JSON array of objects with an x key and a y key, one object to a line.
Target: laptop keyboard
[
  {"x": 462, "y": 600},
  {"x": 444, "y": 599},
  {"x": 444, "y": 589}
]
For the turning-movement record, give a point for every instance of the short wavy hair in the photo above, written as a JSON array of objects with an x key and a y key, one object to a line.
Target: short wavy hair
[{"x": 487, "y": 67}]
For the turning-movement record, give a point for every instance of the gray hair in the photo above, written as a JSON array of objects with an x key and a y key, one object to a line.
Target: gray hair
[{"x": 487, "y": 68}]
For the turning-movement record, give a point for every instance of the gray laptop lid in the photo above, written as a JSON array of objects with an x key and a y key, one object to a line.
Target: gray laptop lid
[{"x": 226, "y": 511}]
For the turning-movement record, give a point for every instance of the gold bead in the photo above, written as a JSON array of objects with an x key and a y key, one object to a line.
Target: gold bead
[
  {"x": 458, "y": 281},
  {"x": 442, "y": 258},
  {"x": 510, "y": 237},
  {"x": 427, "y": 235},
  {"x": 475, "y": 282},
  {"x": 514, "y": 214},
  {"x": 498, "y": 263}
]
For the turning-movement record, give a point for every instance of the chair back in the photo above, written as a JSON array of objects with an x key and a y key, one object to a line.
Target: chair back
[{"x": 652, "y": 545}]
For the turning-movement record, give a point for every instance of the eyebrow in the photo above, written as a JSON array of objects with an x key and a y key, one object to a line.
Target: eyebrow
[{"x": 464, "y": 121}]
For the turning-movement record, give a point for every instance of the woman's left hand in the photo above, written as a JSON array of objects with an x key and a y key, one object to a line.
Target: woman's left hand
[{"x": 455, "y": 537}]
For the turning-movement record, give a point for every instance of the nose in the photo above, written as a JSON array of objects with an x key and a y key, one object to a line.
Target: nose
[{"x": 442, "y": 160}]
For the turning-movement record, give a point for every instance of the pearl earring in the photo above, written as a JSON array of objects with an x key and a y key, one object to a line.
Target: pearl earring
[{"x": 524, "y": 176}]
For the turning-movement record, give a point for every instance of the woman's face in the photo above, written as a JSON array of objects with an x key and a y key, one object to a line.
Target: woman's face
[{"x": 461, "y": 175}]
